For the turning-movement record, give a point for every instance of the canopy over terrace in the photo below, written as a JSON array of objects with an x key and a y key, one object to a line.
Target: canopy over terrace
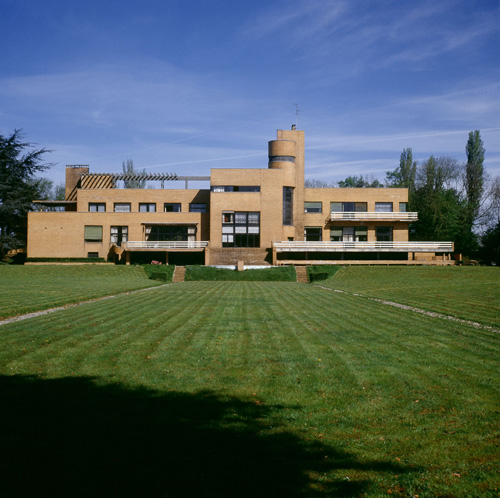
[
  {"x": 411, "y": 253},
  {"x": 186, "y": 230}
]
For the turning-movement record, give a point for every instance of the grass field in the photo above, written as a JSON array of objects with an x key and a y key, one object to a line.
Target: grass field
[
  {"x": 24, "y": 289},
  {"x": 470, "y": 293},
  {"x": 248, "y": 389}
]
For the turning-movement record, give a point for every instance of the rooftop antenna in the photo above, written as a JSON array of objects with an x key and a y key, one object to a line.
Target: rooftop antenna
[{"x": 297, "y": 110}]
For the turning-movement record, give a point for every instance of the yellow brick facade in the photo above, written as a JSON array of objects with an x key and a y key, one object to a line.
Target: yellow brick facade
[{"x": 243, "y": 215}]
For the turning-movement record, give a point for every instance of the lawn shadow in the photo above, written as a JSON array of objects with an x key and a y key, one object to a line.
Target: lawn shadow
[{"x": 72, "y": 437}]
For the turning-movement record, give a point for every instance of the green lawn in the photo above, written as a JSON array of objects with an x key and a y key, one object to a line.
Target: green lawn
[
  {"x": 248, "y": 389},
  {"x": 468, "y": 292},
  {"x": 24, "y": 289}
]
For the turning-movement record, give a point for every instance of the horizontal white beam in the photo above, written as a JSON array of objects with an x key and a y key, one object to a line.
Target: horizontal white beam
[
  {"x": 165, "y": 244},
  {"x": 368, "y": 215},
  {"x": 302, "y": 246}
]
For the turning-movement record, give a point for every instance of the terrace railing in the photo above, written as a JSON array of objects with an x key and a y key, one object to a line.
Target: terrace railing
[
  {"x": 164, "y": 244},
  {"x": 303, "y": 246},
  {"x": 369, "y": 215}
]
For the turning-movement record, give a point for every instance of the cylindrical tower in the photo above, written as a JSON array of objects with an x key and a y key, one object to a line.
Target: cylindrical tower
[{"x": 282, "y": 154}]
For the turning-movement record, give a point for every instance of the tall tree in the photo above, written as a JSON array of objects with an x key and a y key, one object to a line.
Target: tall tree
[
  {"x": 404, "y": 176},
  {"x": 19, "y": 164},
  {"x": 128, "y": 169},
  {"x": 474, "y": 176},
  {"x": 437, "y": 201}
]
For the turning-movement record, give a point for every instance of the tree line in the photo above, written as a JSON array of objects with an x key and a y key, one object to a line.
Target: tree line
[{"x": 455, "y": 201}]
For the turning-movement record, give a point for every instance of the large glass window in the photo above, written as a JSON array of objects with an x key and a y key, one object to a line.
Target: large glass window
[
  {"x": 197, "y": 207},
  {"x": 241, "y": 229},
  {"x": 287, "y": 205},
  {"x": 147, "y": 207},
  {"x": 122, "y": 207},
  {"x": 313, "y": 207},
  {"x": 93, "y": 233},
  {"x": 339, "y": 207},
  {"x": 170, "y": 232},
  {"x": 97, "y": 207},
  {"x": 313, "y": 234},
  {"x": 383, "y": 207},
  {"x": 172, "y": 207},
  {"x": 384, "y": 234},
  {"x": 119, "y": 234}
]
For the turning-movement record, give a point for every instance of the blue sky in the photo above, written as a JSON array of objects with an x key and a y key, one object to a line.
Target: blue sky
[{"x": 185, "y": 86}]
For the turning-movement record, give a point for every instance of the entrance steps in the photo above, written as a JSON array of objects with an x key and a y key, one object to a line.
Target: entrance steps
[
  {"x": 301, "y": 272},
  {"x": 179, "y": 273}
]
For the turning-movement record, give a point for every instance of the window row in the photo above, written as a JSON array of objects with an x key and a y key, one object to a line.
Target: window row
[
  {"x": 353, "y": 207},
  {"x": 235, "y": 188},
  {"x": 147, "y": 207},
  {"x": 118, "y": 234},
  {"x": 348, "y": 234}
]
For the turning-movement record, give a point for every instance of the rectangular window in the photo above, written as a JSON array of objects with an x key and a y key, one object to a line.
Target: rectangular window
[
  {"x": 383, "y": 207},
  {"x": 171, "y": 207},
  {"x": 92, "y": 255},
  {"x": 349, "y": 207},
  {"x": 199, "y": 207},
  {"x": 228, "y": 217},
  {"x": 349, "y": 234},
  {"x": 384, "y": 234},
  {"x": 360, "y": 234},
  {"x": 147, "y": 207},
  {"x": 122, "y": 207},
  {"x": 93, "y": 233},
  {"x": 313, "y": 207},
  {"x": 313, "y": 234},
  {"x": 119, "y": 234},
  {"x": 241, "y": 229},
  {"x": 403, "y": 207},
  {"x": 335, "y": 234},
  {"x": 287, "y": 205},
  {"x": 97, "y": 207}
]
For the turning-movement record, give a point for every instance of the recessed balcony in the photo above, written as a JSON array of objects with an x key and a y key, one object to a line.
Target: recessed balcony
[
  {"x": 303, "y": 246},
  {"x": 146, "y": 245},
  {"x": 375, "y": 216}
]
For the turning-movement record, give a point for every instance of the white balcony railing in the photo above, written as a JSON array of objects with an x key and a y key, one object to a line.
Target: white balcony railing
[
  {"x": 164, "y": 244},
  {"x": 369, "y": 215},
  {"x": 302, "y": 246}
]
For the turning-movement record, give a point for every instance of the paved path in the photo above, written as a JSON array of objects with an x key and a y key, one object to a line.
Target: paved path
[
  {"x": 434, "y": 314},
  {"x": 27, "y": 316}
]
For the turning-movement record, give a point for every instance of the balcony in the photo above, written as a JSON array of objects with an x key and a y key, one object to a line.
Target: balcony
[
  {"x": 303, "y": 246},
  {"x": 164, "y": 245},
  {"x": 375, "y": 216}
]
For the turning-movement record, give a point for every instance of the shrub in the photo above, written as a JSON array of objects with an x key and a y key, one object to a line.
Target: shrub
[
  {"x": 160, "y": 272},
  {"x": 272, "y": 274},
  {"x": 321, "y": 272}
]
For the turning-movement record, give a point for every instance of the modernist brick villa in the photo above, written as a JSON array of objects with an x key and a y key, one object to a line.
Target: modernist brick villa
[{"x": 255, "y": 216}]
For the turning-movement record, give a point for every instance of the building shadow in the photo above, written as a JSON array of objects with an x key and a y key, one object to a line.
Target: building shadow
[{"x": 72, "y": 437}]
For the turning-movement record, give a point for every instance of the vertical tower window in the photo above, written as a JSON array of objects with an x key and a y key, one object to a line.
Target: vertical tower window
[{"x": 287, "y": 205}]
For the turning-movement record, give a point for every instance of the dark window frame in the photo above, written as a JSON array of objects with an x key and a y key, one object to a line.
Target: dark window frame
[
  {"x": 148, "y": 206},
  {"x": 97, "y": 205}
]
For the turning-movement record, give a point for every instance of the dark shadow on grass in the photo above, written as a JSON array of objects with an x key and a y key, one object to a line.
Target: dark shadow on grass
[{"x": 71, "y": 437}]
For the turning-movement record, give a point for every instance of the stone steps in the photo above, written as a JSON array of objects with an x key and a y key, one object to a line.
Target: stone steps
[
  {"x": 301, "y": 272},
  {"x": 179, "y": 273}
]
